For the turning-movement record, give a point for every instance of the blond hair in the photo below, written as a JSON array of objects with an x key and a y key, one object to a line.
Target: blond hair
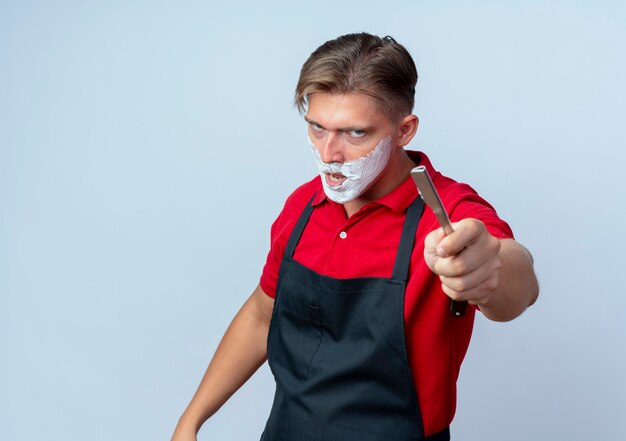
[{"x": 361, "y": 63}]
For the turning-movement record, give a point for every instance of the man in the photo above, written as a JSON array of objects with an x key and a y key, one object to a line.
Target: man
[{"x": 352, "y": 309}]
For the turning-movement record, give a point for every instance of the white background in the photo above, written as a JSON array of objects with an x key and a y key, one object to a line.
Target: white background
[{"x": 147, "y": 146}]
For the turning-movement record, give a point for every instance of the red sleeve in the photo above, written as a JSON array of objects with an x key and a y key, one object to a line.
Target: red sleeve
[
  {"x": 280, "y": 232},
  {"x": 274, "y": 257},
  {"x": 466, "y": 203}
]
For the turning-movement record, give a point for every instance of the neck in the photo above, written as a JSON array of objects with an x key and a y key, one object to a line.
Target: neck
[{"x": 394, "y": 174}]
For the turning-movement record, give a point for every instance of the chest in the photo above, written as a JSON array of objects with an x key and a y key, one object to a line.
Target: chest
[{"x": 363, "y": 245}]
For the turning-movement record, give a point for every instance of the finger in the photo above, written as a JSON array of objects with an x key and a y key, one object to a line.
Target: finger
[
  {"x": 430, "y": 247},
  {"x": 433, "y": 239},
  {"x": 472, "y": 257},
  {"x": 479, "y": 295},
  {"x": 456, "y": 266},
  {"x": 466, "y": 232},
  {"x": 481, "y": 276}
]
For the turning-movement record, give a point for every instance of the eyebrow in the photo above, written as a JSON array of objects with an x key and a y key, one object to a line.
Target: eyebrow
[{"x": 341, "y": 129}]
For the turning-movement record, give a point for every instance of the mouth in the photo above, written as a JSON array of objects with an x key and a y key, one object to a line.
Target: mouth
[{"x": 334, "y": 179}]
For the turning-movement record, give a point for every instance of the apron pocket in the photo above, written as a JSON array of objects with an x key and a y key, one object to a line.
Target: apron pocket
[{"x": 298, "y": 335}]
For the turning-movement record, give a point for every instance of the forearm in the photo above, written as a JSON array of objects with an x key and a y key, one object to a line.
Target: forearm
[
  {"x": 517, "y": 284},
  {"x": 242, "y": 350}
]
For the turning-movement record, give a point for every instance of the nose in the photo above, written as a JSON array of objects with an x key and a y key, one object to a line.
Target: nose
[{"x": 330, "y": 148}]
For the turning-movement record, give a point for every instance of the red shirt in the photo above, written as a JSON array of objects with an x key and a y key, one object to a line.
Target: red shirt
[{"x": 365, "y": 245}]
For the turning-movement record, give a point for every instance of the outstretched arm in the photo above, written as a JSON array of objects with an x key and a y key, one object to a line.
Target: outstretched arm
[
  {"x": 242, "y": 350},
  {"x": 497, "y": 275}
]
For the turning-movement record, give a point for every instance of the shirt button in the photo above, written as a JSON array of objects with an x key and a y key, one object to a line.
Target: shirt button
[{"x": 343, "y": 234}]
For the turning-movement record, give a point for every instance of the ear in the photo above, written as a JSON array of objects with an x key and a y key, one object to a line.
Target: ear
[{"x": 406, "y": 130}]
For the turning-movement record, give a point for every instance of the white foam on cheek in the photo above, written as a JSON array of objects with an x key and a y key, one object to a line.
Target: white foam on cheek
[{"x": 360, "y": 173}]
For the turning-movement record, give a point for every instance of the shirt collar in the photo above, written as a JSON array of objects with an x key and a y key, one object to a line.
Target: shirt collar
[{"x": 400, "y": 197}]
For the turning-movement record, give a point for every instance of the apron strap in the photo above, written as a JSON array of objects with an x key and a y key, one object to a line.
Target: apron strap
[
  {"x": 299, "y": 228},
  {"x": 403, "y": 257}
]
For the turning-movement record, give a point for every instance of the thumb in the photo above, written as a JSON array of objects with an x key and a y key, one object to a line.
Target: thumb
[{"x": 431, "y": 243}]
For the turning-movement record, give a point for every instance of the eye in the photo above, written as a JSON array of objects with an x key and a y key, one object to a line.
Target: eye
[
  {"x": 316, "y": 127},
  {"x": 357, "y": 133}
]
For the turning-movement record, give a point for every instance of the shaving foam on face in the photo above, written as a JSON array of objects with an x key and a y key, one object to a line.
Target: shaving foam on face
[{"x": 359, "y": 173}]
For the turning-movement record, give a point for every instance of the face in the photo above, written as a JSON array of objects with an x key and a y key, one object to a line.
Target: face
[{"x": 344, "y": 128}]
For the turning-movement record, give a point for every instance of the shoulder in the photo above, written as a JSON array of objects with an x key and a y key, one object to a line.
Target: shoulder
[
  {"x": 302, "y": 195},
  {"x": 454, "y": 193},
  {"x": 295, "y": 203},
  {"x": 462, "y": 201},
  {"x": 465, "y": 202},
  {"x": 450, "y": 191},
  {"x": 281, "y": 230}
]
